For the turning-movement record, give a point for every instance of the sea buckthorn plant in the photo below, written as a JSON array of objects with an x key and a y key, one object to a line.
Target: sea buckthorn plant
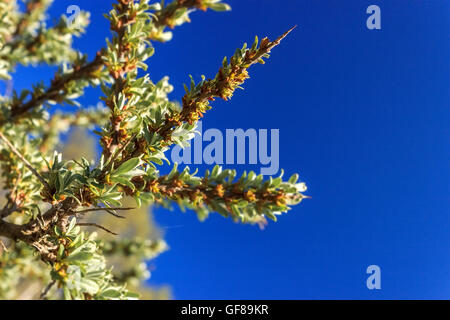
[{"x": 55, "y": 219}]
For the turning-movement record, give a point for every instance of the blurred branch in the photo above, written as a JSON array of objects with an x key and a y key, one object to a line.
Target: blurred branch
[{"x": 25, "y": 161}]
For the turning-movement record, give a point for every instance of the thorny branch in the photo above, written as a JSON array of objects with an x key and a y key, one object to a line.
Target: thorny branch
[{"x": 132, "y": 152}]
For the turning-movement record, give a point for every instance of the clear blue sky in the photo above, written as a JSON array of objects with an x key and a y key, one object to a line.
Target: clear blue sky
[{"x": 363, "y": 117}]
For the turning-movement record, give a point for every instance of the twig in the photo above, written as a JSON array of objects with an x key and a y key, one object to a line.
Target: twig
[
  {"x": 47, "y": 289},
  {"x": 100, "y": 209},
  {"x": 114, "y": 155},
  {"x": 3, "y": 246},
  {"x": 57, "y": 88},
  {"x": 97, "y": 226},
  {"x": 109, "y": 210},
  {"x": 25, "y": 161},
  {"x": 115, "y": 214}
]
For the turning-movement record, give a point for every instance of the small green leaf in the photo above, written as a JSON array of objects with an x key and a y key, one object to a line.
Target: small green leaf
[{"x": 127, "y": 166}]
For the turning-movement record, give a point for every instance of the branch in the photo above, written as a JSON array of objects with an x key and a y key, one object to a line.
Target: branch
[
  {"x": 248, "y": 198},
  {"x": 47, "y": 289},
  {"x": 25, "y": 161},
  {"x": 50, "y": 45},
  {"x": 35, "y": 232},
  {"x": 33, "y": 8},
  {"x": 58, "y": 88},
  {"x": 104, "y": 209},
  {"x": 228, "y": 79},
  {"x": 7, "y": 211},
  {"x": 10, "y": 230},
  {"x": 108, "y": 210},
  {"x": 195, "y": 103}
]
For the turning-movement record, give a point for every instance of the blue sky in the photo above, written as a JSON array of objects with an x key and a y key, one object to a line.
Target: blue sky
[{"x": 363, "y": 117}]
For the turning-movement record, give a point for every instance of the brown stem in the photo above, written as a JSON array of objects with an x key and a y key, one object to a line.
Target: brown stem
[
  {"x": 11, "y": 231},
  {"x": 34, "y": 232}
]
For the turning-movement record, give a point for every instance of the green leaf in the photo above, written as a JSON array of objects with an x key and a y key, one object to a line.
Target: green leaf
[
  {"x": 111, "y": 294},
  {"x": 271, "y": 216},
  {"x": 220, "y": 7},
  {"x": 79, "y": 257},
  {"x": 123, "y": 181},
  {"x": 89, "y": 286},
  {"x": 127, "y": 166}
]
